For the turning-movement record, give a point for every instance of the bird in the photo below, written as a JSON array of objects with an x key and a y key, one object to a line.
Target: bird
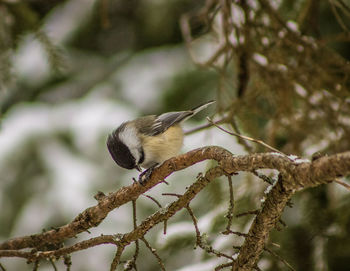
[{"x": 150, "y": 140}]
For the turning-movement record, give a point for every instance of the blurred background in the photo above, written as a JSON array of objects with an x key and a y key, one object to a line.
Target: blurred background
[{"x": 71, "y": 71}]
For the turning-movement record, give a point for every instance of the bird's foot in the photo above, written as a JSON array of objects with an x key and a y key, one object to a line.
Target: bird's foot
[{"x": 145, "y": 176}]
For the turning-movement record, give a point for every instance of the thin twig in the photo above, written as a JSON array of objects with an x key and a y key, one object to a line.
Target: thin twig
[
  {"x": 187, "y": 36},
  {"x": 53, "y": 264},
  {"x": 241, "y": 234},
  {"x": 246, "y": 137},
  {"x": 160, "y": 206},
  {"x": 254, "y": 212},
  {"x": 137, "y": 241},
  {"x": 279, "y": 258},
  {"x": 243, "y": 142},
  {"x": 199, "y": 239},
  {"x": 2, "y": 267},
  {"x": 154, "y": 252},
  {"x": 36, "y": 265},
  {"x": 236, "y": 247},
  {"x": 116, "y": 259},
  {"x": 215, "y": 56},
  {"x": 284, "y": 224},
  {"x": 344, "y": 7},
  {"x": 165, "y": 226},
  {"x": 338, "y": 17},
  {"x": 164, "y": 181},
  {"x": 275, "y": 245},
  {"x": 224, "y": 265},
  {"x": 347, "y": 186},
  {"x": 263, "y": 177},
  {"x": 229, "y": 214},
  {"x": 204, "y": 126},
  {"x": 153, "y": 199},
  {"x": 68, "y": 262},
  {"x": 172, "y": 194},
  {"x": 194, "y": 219}
]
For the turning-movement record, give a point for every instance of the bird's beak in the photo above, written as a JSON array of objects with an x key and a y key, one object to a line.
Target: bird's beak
[{"x": 138, "y": 168}]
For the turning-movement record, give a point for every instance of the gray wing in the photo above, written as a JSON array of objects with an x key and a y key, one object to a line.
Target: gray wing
[{"x": 154, "y": 125}]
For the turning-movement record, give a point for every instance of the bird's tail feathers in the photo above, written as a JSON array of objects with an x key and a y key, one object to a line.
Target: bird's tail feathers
[
  {"x": 170, "y": 118},
  {"x": 201, "y": 107}
]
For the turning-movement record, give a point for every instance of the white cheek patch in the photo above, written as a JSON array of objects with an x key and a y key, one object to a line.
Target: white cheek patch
[{"x": 129, "y": 137}]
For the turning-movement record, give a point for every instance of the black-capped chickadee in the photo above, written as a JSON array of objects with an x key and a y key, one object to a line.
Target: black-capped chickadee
[{"x": 149, "y": 141}]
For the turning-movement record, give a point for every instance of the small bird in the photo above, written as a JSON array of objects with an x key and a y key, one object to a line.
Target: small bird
[{"x": 150, "y": 140}]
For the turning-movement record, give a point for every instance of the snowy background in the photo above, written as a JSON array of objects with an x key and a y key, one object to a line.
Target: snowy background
[{"x": 66, "y": 82}]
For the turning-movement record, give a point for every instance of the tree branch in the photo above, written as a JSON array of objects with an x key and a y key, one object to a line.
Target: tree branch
[{"x": 294, "y": 175}]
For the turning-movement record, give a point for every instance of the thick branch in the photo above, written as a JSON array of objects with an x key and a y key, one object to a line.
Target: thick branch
[
  {"x": 294, "y": 175},
  {"x": 263, "y": 223},
  {"x": 302, "y": 175},
  {"x": 93, "y": 216}
]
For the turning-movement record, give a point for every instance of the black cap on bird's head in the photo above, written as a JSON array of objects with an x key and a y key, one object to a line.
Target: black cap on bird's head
[{"x": 120, "y": 152}]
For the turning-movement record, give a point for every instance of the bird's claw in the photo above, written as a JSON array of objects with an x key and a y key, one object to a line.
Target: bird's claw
[{"x": 145, "y": 176}]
